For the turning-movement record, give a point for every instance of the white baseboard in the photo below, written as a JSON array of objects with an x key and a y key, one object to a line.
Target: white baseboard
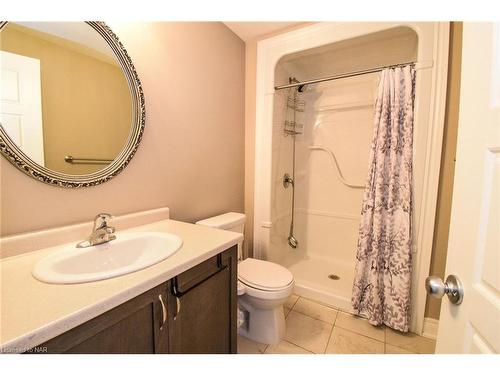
[{"x": 430, "y": 328}]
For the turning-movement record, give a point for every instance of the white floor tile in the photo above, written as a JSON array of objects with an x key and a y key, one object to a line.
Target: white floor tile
[
  {"x": 410, "y": 342},
  {"x": 286, "y": 310},
  {"x": 315, "y": 310},
  {"x": 291, "y": 301},
  {"x": 391, "y": 349},
  {"x": 359, "y": 325},
  {"x": 246, "y": 346},
  {"x": 348, "y": 342},
  {"x": 285, "y": 347},
  {"x": 307, "y": 332}
]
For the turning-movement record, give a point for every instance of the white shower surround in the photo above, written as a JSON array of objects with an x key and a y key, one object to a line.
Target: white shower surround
[
  {"x": 338, "y": 117},
  {"x": 432, "y": 57}
]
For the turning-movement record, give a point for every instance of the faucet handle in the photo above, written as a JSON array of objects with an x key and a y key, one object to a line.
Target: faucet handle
[
  {"x": 103, "y": 216},
  {"x": 100, "y": 220}
]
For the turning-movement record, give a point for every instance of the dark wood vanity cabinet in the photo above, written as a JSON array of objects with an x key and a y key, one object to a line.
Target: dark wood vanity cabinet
[
  {"x": 195, "y": 312},
  {"x": 202, "y": 307},
  {"x": 133, "y": 327}
]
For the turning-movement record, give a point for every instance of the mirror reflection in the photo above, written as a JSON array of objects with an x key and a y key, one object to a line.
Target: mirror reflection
[{"x": 64, "y": 99}]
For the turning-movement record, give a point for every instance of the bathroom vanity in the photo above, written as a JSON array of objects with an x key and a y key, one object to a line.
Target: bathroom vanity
[
  {"x": 183, "y": 304},
  {"x": 194, "y": 312}
]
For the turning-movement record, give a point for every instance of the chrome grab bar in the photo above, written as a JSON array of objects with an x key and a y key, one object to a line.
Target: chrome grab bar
[
  {"x": 72, "y": 160},
  {"x": 335, "y": 162}
]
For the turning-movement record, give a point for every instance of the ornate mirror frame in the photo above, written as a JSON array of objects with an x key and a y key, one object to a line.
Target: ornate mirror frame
[{"x": 23, "y": 162}]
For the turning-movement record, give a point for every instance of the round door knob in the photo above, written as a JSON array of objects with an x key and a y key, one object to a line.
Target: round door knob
[
  {"x": 287, "y": 180},
  {"x": 435, "y": 287},
  {"x": 452, "y": 287}
]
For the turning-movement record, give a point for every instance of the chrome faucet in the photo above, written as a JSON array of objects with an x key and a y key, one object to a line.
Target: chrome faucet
[{"x": 101, "y": 232}]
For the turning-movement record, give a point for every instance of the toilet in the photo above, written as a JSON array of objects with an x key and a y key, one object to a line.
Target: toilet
[{"x": 263, "y": 288}]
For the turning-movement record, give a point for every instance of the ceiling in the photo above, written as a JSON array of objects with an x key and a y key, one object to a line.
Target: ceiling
[
  {"x": 255, "y": 30},
  {"x": 78, "y": 32}
]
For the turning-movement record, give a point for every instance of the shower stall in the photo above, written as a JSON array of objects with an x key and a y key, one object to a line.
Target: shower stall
[{"x": 316, "y": 89}]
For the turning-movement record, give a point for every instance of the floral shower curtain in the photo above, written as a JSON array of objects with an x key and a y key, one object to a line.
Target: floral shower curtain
[{"x": 382, "y": 282}]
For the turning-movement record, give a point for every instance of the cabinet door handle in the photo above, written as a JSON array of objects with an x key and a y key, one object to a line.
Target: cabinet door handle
[
  {"x": 164, "y": 311},
  {"x": 178, "y": 301}
]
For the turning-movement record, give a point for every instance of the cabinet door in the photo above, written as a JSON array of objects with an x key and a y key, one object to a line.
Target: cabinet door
[
  {"x": 202, "y": 318},
  {"x": 133, "y": 327}
]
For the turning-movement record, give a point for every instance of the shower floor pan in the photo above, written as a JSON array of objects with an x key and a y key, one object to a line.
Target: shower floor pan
[{"x": 323, "y": 280}]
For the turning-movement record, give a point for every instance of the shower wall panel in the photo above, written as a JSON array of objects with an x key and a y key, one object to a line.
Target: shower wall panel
[
  {"x": 339, "y": 118},
  {"x": 328, "y": 211}
]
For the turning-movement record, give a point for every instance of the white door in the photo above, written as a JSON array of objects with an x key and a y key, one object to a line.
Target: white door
[
  {"x": 474, "y": 243},
  {"x": 21, "y": 103}
]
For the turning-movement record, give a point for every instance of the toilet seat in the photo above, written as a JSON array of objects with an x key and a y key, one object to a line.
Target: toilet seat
[
  {"x": 265, "y": 294},
  {"x": 264, "y": 279}
]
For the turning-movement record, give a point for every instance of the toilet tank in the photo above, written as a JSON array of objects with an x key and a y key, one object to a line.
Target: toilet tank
[{"x": 233, "y": 221}]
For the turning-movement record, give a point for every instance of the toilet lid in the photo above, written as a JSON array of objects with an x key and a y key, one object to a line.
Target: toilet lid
[{"x": 263, "y": 275}]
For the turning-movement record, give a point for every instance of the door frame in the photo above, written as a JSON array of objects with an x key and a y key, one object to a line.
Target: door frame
[{"x": 432, "y": 57}]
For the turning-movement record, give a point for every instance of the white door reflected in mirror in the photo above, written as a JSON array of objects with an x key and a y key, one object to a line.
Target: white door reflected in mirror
[{"x": 21, "y": 103}]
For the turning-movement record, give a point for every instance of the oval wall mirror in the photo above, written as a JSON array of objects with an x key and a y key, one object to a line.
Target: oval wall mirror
[{"x": 71, "y": 105}]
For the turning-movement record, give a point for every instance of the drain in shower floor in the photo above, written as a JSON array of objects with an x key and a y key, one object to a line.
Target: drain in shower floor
[{"x": 334, "y": 277}]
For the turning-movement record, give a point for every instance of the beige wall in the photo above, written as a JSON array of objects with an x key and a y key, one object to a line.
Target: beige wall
[
  {"x": 192, "y": 154},
  {"x": 86, "y": 107},
  {"x": 441, "y": 229}
]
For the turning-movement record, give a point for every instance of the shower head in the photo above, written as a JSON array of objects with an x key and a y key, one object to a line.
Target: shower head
[
  {"x": 300, "y": 88},
  {"x": 292, "y": 241}
]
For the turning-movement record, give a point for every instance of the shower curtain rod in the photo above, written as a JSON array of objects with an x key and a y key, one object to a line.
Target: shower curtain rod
[{"x": 338, "y": 76}]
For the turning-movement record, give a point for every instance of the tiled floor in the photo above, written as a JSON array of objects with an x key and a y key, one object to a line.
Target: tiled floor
[{"x": 315, "y": 328}]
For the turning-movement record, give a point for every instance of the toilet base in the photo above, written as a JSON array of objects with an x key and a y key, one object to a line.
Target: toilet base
[{"x": 265, "y": 325}]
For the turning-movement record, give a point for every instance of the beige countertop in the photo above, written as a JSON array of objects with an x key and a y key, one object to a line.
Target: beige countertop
[{"x": 33, "y": 312}]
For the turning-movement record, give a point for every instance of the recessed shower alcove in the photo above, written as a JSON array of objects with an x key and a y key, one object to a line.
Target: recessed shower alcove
[{"x": 327, "y": 156}]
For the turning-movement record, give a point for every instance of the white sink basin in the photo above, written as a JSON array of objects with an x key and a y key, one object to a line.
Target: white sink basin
[{"x": 128, "y": 253}]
